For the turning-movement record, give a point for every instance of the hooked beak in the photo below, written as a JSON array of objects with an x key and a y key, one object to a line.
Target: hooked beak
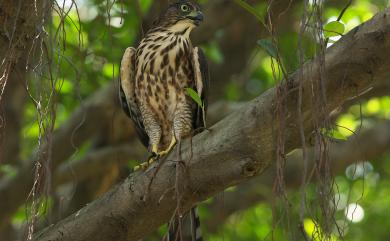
[{"x": 196, "y": 16}]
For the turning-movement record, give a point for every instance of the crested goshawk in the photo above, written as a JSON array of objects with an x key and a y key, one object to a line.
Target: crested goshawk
[{"x": 155, "y": 77}]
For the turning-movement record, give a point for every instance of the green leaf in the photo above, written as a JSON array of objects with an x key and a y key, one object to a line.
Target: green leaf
[
  {"x": 251, "y": 10},
  {"x": 8, "y": 170},
  {"x": 195, "y": 96},
  {"x": 268, "y": 46},
  {"x": 333, "y": 29}
]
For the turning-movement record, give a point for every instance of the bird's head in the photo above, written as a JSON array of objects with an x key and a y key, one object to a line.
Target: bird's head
[{"x": 181, "y": 14}]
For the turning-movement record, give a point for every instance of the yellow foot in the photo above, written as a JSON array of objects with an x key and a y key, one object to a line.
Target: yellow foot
[
  {"x": 145, "y": 165},
  {"x": 170, "y": 147},
  {"x": 156, "y": 155}
]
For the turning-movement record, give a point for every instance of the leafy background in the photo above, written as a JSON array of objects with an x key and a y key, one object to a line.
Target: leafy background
[{"x": 86, "y": 49}]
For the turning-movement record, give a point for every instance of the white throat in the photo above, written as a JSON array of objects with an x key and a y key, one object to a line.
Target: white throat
[{"x": 183, "y": 26}]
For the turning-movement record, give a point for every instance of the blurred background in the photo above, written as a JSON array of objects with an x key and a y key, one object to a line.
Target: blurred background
[{"x": 65, "y": 140}]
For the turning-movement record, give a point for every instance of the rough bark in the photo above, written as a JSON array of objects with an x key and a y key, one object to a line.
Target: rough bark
[
  {"x": 11, "y": 116},
  {"x": 21, "y": 27},
  {"x": 368, "y": 145},
  {"x": 236, "y": 149}
]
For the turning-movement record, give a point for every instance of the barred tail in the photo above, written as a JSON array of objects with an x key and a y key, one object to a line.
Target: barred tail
[
  {"x": 196, "y": 231},
  {"x": 189, "y": 228}
]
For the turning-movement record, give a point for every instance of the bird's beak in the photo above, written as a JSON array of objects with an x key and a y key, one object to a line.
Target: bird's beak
[{"x": 196, "y": 16}]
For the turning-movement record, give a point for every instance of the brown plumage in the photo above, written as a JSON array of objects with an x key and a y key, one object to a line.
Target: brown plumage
[
  {"x": 153, "y": 82},
  {"x": 154, "y": 78}
]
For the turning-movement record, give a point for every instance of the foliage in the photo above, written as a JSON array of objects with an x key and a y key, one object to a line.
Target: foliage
[
  {"x": 268, "y": 46},
  {"x": 195, "y": 96},
  {"x": 87, "y": 44},
  {"x": 333, "y": 29}
]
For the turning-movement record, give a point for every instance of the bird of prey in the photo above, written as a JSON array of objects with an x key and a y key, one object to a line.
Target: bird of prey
[
  {"x": 155, "y": 77},
  {"x": 154, "y": 82}
]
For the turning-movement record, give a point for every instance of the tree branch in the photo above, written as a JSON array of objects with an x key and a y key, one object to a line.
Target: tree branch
[
  {"x": 236, "y": 149},
  {"x": 368, "y": 145}
]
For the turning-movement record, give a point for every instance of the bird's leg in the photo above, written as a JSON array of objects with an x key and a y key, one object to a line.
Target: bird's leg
[
  {"x": 154, "y": 150},
  {"x": 170, "y": 147},
  {"x": 143, "y": 166},
  {"x": 154, "y": 132},
  {"x": 152, "y": 158}
]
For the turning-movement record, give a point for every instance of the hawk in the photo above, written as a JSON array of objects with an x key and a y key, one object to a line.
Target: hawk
[{"x": 154, "y": 79}]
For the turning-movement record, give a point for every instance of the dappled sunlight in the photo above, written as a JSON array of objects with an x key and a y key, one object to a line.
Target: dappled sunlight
[
  {"x": 354, "y": 213},
  {"x": 358, "y": 170},
  {"x": 314, "y": 175}
]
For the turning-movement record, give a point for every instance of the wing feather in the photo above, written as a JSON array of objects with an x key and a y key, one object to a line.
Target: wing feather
[
  {"x": 127, "y": 93},
  {"x": 201, "y": 74}
]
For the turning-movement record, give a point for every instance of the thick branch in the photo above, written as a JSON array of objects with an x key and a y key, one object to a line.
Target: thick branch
[
  {"x": 237, "y": 148},
  {"x": 369, "y": 145}
]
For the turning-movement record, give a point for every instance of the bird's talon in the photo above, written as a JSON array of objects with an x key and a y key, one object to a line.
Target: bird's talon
[
  {"x": 142, "y": 166},
  {"x": 151, "y": 161},
  {"x": 139, "y": 167}
]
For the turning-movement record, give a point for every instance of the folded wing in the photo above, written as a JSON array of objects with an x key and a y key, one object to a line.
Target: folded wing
[
  {"x": 127, "y": 93},
  {"x": 201, "y": 73}
]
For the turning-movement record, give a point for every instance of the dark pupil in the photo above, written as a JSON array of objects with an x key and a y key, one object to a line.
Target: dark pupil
[{"x": 184, "y": 8}]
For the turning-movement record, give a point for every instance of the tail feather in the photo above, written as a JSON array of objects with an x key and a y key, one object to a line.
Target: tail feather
[
  {"x": 196, "y": 231},
  {"x": 189, "y": 231}
]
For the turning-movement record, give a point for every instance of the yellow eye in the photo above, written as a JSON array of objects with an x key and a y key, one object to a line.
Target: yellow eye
[{"x": 184, "y": 8}]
